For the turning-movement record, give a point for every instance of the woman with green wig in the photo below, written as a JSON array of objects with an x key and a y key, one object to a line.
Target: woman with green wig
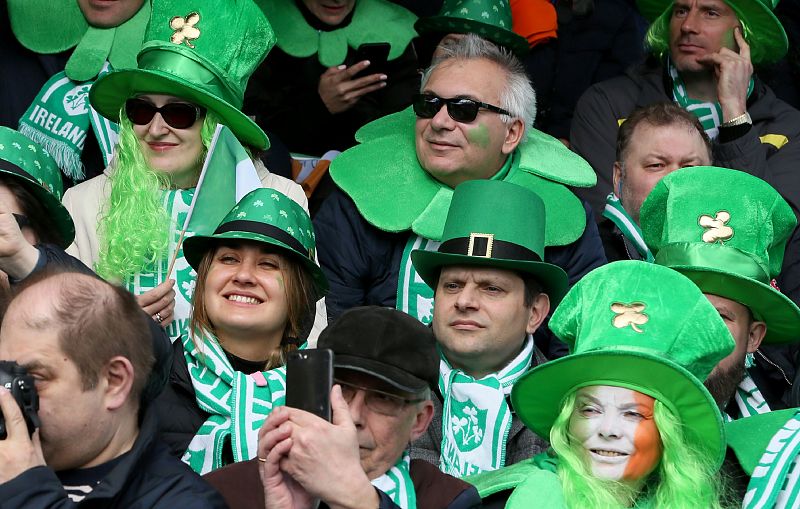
[
  {"x": 191, "y": 75},
  {"x": 629, "y": 421}
]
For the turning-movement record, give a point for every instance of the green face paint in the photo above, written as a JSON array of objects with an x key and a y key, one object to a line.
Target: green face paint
[
  {"x": 479, "y": 136},
  {"x": 280, "y": 282}
]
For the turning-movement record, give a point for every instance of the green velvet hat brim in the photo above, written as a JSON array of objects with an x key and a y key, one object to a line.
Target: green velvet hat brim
[
  {"x": 538, "y": 395},
  {"x": 781, "y": 315},
  {"x": 451, "y": 25},
  {"x": 428, "y": 264},
  {"x": 52, "y": 206},
  {"x": 110, "y": 92},
  {"x": 749, "y": 437},
  {"x": 194, "y": 248},
  {"x": 763, "y": 24}
]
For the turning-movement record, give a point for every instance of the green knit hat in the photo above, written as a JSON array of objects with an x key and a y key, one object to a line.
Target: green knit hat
[
  {"x": 38, "y": 173},
  {"x": 484, "y": 228},
  {"x": 490, "y": 19},
  {"x": 203, "y": 53},
  {"x": 726, "y": 231},
  {"x": 767, "y": 36},
  {"x": 641, "y": 326},
  {"x": 268, "y": 216}
]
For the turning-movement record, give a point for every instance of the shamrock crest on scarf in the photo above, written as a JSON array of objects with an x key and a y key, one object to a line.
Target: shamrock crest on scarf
[
  {"x": 629, "y": 314},
  {"x": 185, "y": 29},
  {"x": 470, "y": 425},
  {"x": 715, "y": 227}
]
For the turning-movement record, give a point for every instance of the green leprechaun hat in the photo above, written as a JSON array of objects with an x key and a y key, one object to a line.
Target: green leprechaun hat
[
  {"x": 203, "y": 52},
  {"x": 268, "y": 216},
  {"x": 764, "y": 32},
  {"x": 484, "y": 228},
  {"x": 22, "y": 158},
  {"x": 726, "y": 231},
  {"x": 640, "y": 326},
  {"x": 490, "y": 19}
]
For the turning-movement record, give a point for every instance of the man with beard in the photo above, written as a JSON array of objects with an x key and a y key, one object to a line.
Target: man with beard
[{"x": 727, "y": 231}]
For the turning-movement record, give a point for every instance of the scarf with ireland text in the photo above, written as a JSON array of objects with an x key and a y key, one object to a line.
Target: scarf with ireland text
[
  {"x": 617, "y": 214},
  {"x": 397, "y": 484},
  {"x": 775, "y": 482},
  {"x": 476, "y": 418},
  {"x": 238, "y": 404},
  {"x": 708, "y": 113}
]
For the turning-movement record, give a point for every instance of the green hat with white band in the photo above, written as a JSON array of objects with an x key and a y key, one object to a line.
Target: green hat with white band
[
  {"x": 725, "y": 230},
  {"x": 270, "y": 217},
  {"x": 640, "y": 326},
  {"x": 203, "y": 52}
]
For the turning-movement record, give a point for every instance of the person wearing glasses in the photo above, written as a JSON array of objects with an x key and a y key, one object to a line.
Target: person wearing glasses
[
  {"x": 384, "y": 367},
  {"x": 472, "y": 120},
  {"x": 191, "y": 75}
]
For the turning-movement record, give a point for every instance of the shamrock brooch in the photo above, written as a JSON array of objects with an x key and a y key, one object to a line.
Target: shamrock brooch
[{"x": 184, "y": 29}]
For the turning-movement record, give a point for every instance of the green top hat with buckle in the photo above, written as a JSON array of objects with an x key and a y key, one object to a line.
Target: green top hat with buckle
[
  {"x": 484, "y": 227},
  {"x": 767, "y": 38},
  {"x": 490, "y": 19},
  {"x": 32, "y": 166},
  {"x": 203, "y": 52},
  {"x": 726, "y": 231},
  {"x": 268, "y": 216},
  {"x": 640, "y": 326}
]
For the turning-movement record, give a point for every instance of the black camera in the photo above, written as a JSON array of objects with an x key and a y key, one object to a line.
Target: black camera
[{"x": 20, "y": 384}]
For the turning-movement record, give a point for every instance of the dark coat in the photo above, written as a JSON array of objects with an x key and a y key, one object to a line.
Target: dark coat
[
  {"x": 616, "y": 246},
  {"x": 147, "y": 477}
]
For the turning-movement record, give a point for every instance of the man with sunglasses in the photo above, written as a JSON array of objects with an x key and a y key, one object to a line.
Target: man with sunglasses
[
  {"x": 385, "y": 363},
  {"x": 471, "y": 121}
]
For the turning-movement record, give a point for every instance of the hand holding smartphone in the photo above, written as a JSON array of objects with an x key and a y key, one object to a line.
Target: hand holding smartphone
[{"x": 309, "y": 378}]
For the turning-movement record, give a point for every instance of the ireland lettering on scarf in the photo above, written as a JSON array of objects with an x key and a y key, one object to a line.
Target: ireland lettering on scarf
[
  {"x": 238, "y": 404},
  {"x": 476, "y": 419},
  {"x": 397, "y": 484},
  {"x": 774, "y": 483},
  {"x": 59, "y": 120},
  {"x": 414, "y": 296},
  {"x": 617, "y": 214}
]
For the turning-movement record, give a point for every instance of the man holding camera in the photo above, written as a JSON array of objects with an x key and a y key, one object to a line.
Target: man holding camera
[
  {"x": 80, "y": 340},
  {"x": 384, "y": 365}
]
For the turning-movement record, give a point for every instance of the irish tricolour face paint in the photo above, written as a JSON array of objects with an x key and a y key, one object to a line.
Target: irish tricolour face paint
[{"x": 616, "y": 429}]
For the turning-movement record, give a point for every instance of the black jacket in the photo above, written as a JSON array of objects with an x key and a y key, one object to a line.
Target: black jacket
[
  {"x": 616, "y": 246},
  {"x": 148, "y": 477}
]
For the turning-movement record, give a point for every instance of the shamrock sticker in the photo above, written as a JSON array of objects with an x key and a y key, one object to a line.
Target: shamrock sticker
[
  {"x": 32, "y": 148},
  {"x": 16, "y": 146},
  {"x": 258, "y": 203},
  {"x": 715, "y": 228},
  {"x": 629, "y": 314},
  {"x": 241, "y": 214},
  {"x": 184, "y": 29},
  {"x": 275, "y": 197}
]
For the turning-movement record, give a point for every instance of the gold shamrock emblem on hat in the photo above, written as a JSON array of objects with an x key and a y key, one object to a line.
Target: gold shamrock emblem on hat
[
  {"x": 185, "y": 29},
  {"x": 629, "y": 314},
  {"x": 715, "y": 228}
]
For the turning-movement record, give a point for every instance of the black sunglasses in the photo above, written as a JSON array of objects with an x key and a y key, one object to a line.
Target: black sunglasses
[
  {"x": 176, "y": 115},
  {"x": 460, "y": 109}
]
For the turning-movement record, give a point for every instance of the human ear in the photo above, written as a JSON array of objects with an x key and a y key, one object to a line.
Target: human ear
[
  {"x": 118, "y": 375},
  {"x": 422, "y": 419},
  {"x": 515, "y": 132},
  {"x": 538, "y": 312},
  {"x": 756, "y": 335},
  {"x": 617, "y": 178}
]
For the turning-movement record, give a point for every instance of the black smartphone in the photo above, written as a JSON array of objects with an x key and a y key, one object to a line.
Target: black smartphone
[
  {"x": 377, "y": 53},
  {"x": 309, "y": 378}
]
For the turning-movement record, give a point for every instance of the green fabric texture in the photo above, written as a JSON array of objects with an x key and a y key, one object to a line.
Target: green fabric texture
[
  {"x": 767, "y": 36},
  {"x": 640, "y": 326},
  {"x": 726, "y": 231},
  {"x": 490, "y": 19},
  {"x": 494, "y": 481},
  {"x": 32, "y": 166},
  {"x": 372, "y": 21},
  {"x": 491, "y": 207},
  {"x": 201, "y": 53},
  {"x": 384, "y": 170},
  {"x": 252, "y": 219},
  {"x": 748, "y": 438}
]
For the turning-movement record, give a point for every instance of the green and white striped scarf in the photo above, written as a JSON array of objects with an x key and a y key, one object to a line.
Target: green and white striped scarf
[
  {"x": 615, "y": 212},
  {"x": 775, "y": 480},
  {"x": 476, "y": 418},
  {"x": 708, "y": 113},
  {"x": 748, "y": 398},
  {"x": 397, "y": 483},
  {"x": 238, "y": 404},
  {"x": 414, "y": 296}
]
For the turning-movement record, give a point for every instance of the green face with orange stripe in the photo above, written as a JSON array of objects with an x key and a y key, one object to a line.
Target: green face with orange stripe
[{"x": 615, "y": 428}]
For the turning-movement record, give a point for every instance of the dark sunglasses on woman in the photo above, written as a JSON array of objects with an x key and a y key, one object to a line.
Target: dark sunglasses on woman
[
  {"x": 460, "y": 109},
  {"x": 176, "y": 115}
]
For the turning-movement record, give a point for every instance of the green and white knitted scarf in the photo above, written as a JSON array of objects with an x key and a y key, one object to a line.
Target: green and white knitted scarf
[
  {"x": 708, "y": 113},
  {"x": 476, "y": 419},
  {"x": 617, "y": 214},
  {"x": 397, "y": 483},
  {"x": 775, "y": 482},
  {"x": 238, "y": 404},
  {"x": 414, "y": 296}
]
